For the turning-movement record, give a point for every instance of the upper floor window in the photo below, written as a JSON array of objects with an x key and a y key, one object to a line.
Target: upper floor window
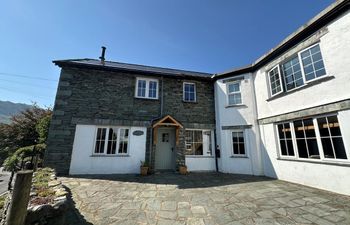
[
  {"x": 312, "y": 62},
  {"x": 275, "y": 80},
  {"x": 303, "y": 67},
  {"x": 111, "y": 140},
  {"x": 189, "y": 92},
  {"x": 234, "y": 93},
  {"x": 312, "y": 138},
  {"x": 146, "y": 88}
]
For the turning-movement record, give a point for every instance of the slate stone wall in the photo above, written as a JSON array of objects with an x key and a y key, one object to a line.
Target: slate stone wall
[{"x": 87, "y": 96}]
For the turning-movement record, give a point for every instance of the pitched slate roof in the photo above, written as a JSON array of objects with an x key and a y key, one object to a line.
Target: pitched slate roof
[{"x": 118, "y": 66}]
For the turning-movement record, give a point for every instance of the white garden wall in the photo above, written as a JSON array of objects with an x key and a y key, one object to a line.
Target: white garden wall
[{"x": 83, "y": 162}]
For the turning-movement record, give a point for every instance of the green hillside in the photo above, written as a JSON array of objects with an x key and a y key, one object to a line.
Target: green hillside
[{"x": 7, "y": 109}]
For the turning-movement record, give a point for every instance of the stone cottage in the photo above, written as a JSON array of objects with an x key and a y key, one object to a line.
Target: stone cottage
[{"x": 287, "y": 115}]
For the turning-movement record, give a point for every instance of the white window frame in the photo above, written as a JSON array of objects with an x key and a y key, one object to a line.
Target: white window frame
[
  {"x": 298, "y": 54},
  {"x": 318, "y": 140},
  {"x": 147, "y": 87},
  {"x": 302, "y": 64},
  {"x": 279, "y": 76},
  {"x": 244, "y": 143},
  {"x": 183, "y": 92},
  {"x": 205, "y": 151},
  {"x": 104, "y": 153},
  {"x": 236, "y": 92}
]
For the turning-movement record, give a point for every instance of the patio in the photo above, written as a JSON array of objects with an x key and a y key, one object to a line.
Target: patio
[{"x": 202, "y": 198}]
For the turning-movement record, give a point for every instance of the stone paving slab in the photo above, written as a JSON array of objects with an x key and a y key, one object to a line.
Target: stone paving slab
[{"x": 203, "y": 199}]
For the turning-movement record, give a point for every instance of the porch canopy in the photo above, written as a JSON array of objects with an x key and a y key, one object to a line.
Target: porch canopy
[{"x": 166, "y": 121}]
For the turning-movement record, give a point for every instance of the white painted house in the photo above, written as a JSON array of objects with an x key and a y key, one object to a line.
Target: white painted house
[{"x": 287, "y": 115}]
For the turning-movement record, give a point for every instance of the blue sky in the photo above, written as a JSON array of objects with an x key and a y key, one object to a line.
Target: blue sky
[{"x": 201, "y": 35}]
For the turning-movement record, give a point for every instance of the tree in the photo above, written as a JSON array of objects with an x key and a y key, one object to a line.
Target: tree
[{"x": 27, "y": 128}]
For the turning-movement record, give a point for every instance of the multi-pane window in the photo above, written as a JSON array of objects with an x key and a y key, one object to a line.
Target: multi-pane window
[
  {"x": 285, "y": 138},
  {"x": 189, "y": 92},
  {"x": 312, "y": 63},
  {"x": 111, "y": 140},
  {"x": 306, "y": 139},
  {"x": 194, "y": 142},
  {"x": 123, "y": 141},
  {"x": 238, "y": 143},
  {"x": 100, "y": 140},
  {"x": 312, "y": 138},
  {"x": 198, "y": 142},
  {"x": 298, "y": 70},
  {"x": 292, "y": 74},
  {"x": 146, "y": 88},
  {"x": 275, "y": 81},
  {"x": 234, "y": 93},
  {"x": 331, "y": 138}
]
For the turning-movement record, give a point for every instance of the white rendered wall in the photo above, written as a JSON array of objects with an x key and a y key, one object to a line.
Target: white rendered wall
[
  {"x": 84, "y": 163},
  {"x": 335, "y": 178},
  {"x": 238, "y": 116},
  {"x": 200, "y": 163},
  {"x": 335, "y": 48}
]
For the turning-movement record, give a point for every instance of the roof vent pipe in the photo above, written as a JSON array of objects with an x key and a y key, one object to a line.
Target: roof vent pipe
[{"x": 102, "y": 57}]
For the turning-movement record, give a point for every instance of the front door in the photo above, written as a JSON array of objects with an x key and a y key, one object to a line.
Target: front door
[{"x": 165, "y": 149}]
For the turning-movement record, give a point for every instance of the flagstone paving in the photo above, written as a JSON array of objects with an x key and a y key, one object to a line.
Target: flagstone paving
[{"x": 203, "y": 199}]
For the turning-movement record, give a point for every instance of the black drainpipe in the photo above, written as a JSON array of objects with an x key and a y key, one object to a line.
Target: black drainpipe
[{"x": 217, "y": 152}]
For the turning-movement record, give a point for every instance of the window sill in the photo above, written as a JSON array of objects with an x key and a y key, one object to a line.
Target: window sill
[
  {"x": 152, "y": 99},
  {"x": 309, "y": 84},
  {"x": 199, "y": 156},
  {"x": 116, "y": 155},
  {"x": 317, "y": 161},
  {"x": 239, "y": 156},
  {"x": 195, "y": 102},
  {"x": 237, "y": 106}
]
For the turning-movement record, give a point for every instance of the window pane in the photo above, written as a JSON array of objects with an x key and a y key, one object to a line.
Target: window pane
[
  {"x": 123, "y": 141},
  {"x": 299, "y": 129},
  {"x": 233, "y": 87},
  {"x": 283, "y": 147},
  {"x": 280, "y": 131},
  {"x": 290, "y": 148},
  {"x": 327, "y": 148},
  {"x": 309, "y": 128},
  {"x": 194, "y": 142},
  {"x": 235, "y": 148},
  {"x": 313, "y": 149},
  {"x": 323, "y": 127},
  {"x": 141, "y": 88},
  {"x": 339, "y": 148},
  {"x": 302, "y": 150},
  {"x": 152, "y": 89},
  {"x": 334, "y": 125},
  {"x": 112, "y": 140},
  {"x": 287, "y": 130}
]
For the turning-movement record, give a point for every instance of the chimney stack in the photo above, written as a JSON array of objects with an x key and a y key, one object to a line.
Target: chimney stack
[{"x": 102, "y": 57}]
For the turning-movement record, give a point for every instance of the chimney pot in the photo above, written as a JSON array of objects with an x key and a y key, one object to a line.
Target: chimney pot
[{"x": 102, "y": 57}]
